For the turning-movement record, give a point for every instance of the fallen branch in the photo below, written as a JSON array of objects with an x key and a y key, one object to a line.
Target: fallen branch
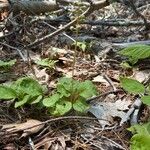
[
  {"x": 126, "y": 23},
  {"x": 36, "y": 7},
  {"x": 39, "y": 41}
]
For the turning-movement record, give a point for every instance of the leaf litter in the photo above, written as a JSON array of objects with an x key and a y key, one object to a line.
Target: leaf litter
[{"x": 112, "y": 109}]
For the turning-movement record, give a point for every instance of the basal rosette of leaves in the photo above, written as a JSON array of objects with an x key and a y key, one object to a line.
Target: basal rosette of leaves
[
  {"x": 70, "y": 95},
  {"x": 24, "y": 91}
]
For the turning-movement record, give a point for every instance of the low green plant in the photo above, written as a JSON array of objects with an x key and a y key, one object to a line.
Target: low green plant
[
  {"x": 46, "y": 63},
  {"x": 135, "y": 87},
  {"x": 24, "y": 91},
  {"x": 70, "y": 95},
  {"x": 136, "y": 53},
  {"x": 141, "y": 137},
  {"x": 81, "y": 45},
  {"x": 7, "y": 64},
  {"x": 141, "y": 133}
]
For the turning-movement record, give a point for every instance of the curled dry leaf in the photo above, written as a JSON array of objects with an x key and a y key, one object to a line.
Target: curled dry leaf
[
  {"x": 26, "y": 127},
  {"x": 109, "y": 110}
]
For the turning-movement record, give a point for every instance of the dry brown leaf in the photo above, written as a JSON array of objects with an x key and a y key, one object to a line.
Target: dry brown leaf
[
  {"x": 41, "y": 75},
  {"x": 141, "y": 75},
  {"x": 46, "y": 142},
  {"x": 100, "y": 79},
  {"x": 14, "y": 127}
]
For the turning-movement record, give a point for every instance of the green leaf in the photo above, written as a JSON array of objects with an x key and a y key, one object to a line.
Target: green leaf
[
  {"x": 62, "y": 108},
  {"x": 62, "y": 91},
  {"x": 80, "y": 105},
  {"x": 136, "y": 52},
  {"x": 132, "y": 86},
  {"x": 28, "y": 86},
  {"x": 140, "y": 129},
  {"x": 66, "y": 83},
  {"x": 51, "y": 101},
  {"x": 23, "y": 101},
  {"x": 7, "y": 64},
  {"x": 7, "y": 92},
  {"x": 81, "y": 45},
  {"x": 141, "y": 138},
  {"x": 87, "y": 89},
  {"x": 46, "y": 62},
  {"x": 140, "y": 142},
  {"x": 125, "y": 65},
  {"x": 37, "y": 99},
  {"x": 146, "y": 100}
]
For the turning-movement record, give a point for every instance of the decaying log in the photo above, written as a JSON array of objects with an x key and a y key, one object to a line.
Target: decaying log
[{"x": 36, "y": 7}]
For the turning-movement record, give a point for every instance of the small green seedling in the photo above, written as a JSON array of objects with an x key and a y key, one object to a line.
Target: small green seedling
[{"x": 46, "y": 63}]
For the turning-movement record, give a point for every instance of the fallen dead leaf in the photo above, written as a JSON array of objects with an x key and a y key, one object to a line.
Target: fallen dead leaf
[
  {"x": 100, "y": 79},
  {"x": 141, "y": 75},
  {"x": 14, "y": 127},
  {"x": 109, "y": 110}
]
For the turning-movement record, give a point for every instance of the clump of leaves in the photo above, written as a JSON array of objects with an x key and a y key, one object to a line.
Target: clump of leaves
[
  {"x": 141, "y": 138},
  {"x": 25, "y": 91},
  {"x": 70, "y": 95},
  {"x": 136, "y": 53},
  {"x": 135, "y": 87},
  {"x": 46, "y": 63},
  {"x": 8, "y": 64}
]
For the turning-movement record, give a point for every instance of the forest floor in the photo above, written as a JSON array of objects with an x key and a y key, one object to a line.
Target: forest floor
[{"x": 83, "y": 52}]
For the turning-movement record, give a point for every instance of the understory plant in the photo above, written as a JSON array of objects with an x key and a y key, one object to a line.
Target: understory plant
[
  {"x": 24, "y": 91},
  {"x": 141, "y": 133},
  {"x": 136, "y": 53},
  {"x": 70, "y": 95},
  {"x": 141, "y": 136},
  {"x": 4, "y": 65}
]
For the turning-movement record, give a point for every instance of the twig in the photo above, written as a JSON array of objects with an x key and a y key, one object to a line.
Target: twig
[
  {"x": 54, "y": 120},
  {"x": 62, "y": 33},
  {"x": 126, "y": 23},
  {"x": 132, "y": 5},
  {"x": 18, "y": 50},
  {"x": 102, "y": 95},
  {"x": 110, "y": 82},
  {"x": 39, "y": 41}
]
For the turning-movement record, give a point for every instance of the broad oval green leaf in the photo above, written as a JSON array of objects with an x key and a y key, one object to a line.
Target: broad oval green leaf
[
  {"x": 80, "y": 106},
  {"x": 146, "y": 100},
  {"x": 136, "y": 52},
  {"x": 132, "y": 86},
  {"x": 20, "y": 103},
  {"x": 7, "y": 92},
  {"x": 51, "y": 101},
  {"x": 62, "y": 108},
  {"x": 28, "y": 86},
  {"x": 87, "y": 89},
  {"x": 140, "y": 142},
  {"x": 36, "y": 100}
]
